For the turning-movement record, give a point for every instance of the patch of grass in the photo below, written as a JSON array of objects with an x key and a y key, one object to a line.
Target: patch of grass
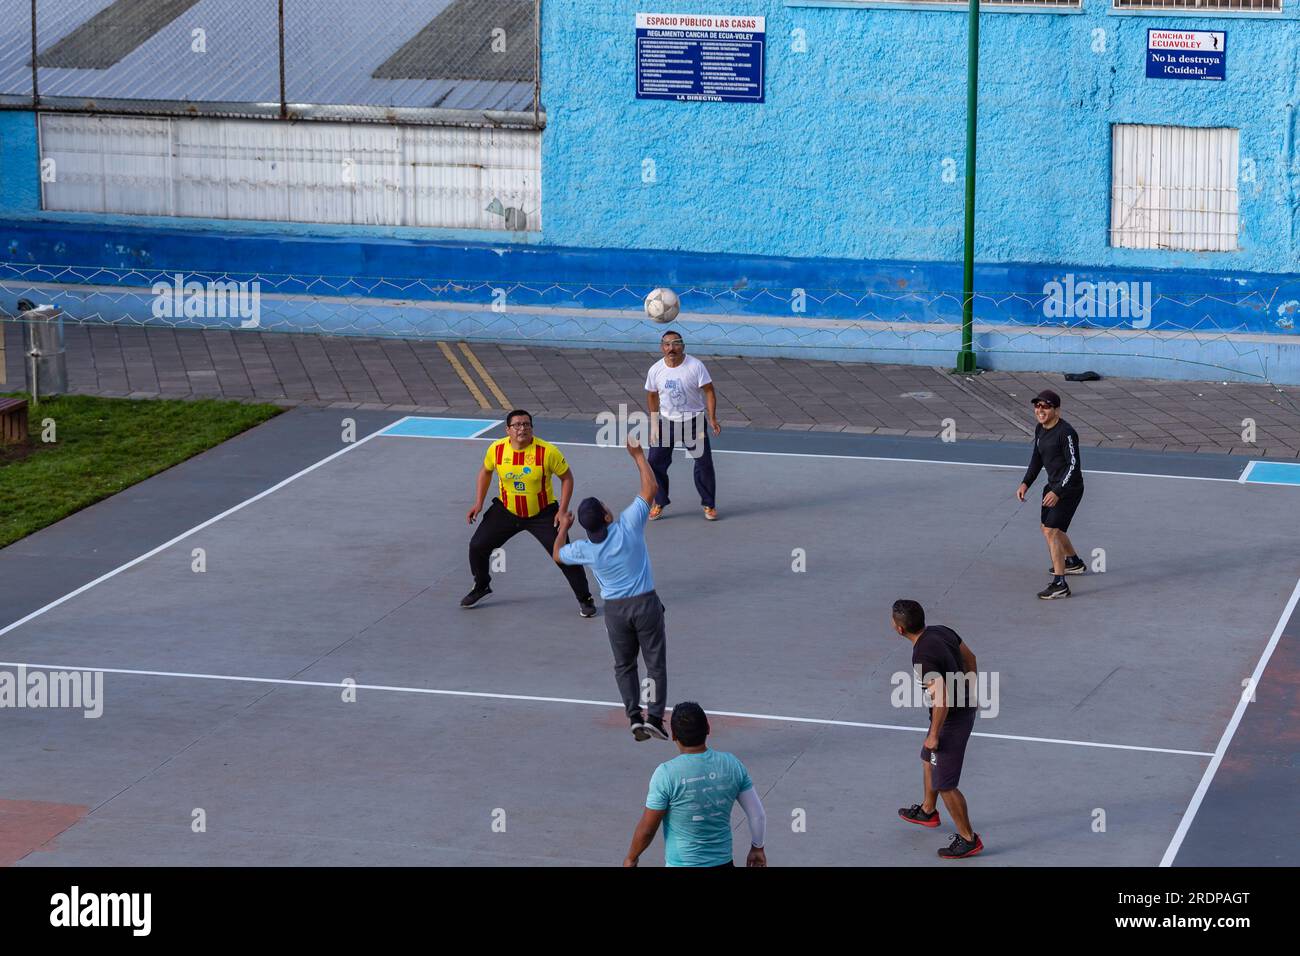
[{"x": 102, "y": 446}]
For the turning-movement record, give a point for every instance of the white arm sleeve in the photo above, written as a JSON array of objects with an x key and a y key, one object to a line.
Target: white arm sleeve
[{"x": 753, "y": 808}]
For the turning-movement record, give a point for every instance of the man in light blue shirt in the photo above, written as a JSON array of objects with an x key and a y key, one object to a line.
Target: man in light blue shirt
[
  {"x": 634, "y": 615},
  {"x": 692, "y": 795}
]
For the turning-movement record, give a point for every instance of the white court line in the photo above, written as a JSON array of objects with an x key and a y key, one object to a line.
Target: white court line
[
  {"x": 1185, "y": 824},
  {"x": 798, "y": 454},
  {"x": 1245, "y": 472},
  {"x": 182, "y": 536},
  {"x": 339, "y": 685},
  {"x": 944, "y": 461}
]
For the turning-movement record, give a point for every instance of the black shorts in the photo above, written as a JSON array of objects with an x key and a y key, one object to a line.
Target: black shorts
[
  {"x": 1060, "y": 514},
  {"x": 945, "y": 763}
]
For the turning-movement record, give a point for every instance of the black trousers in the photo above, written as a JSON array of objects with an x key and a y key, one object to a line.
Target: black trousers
[
  {"x": 498, "y": 525},
  {"x": 660, "y": 457}
]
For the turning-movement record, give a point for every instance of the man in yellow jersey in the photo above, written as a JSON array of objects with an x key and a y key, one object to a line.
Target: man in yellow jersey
[{"x": 524, "y": 466}]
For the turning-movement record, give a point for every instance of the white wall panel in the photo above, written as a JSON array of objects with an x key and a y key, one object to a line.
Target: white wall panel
[
  {"x": 361, "y": 174},
  {"x": 1174, "y": 187}
]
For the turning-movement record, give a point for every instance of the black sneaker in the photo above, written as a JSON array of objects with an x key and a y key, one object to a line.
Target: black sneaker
[
  {"x": 478, "y": 594},
  {"x": 1055, "y": 590},
  {"x": 655, "y": 727},
  {"x": 587, "y": 608},
  {"x": 961, "y": 847},
  {"x": 639, "y": 730},
  {"x": 914, "y": 814},
  {"x": 1073, "y": 565}
]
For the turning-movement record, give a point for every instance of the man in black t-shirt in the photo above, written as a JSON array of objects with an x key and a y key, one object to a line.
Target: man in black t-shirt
[
  {"x": 946, "y": 667},
  {"x": 1056, "y": 448}
]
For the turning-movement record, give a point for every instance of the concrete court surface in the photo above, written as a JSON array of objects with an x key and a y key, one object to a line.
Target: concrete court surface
[{"x": 354, "y": 571}]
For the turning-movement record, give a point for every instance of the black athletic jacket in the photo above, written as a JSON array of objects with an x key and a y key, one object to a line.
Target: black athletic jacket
[{"x": 1057, "y": 448}]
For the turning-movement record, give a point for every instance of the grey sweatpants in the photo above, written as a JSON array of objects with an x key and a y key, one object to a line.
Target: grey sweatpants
[{"x": 637, "y": 623}]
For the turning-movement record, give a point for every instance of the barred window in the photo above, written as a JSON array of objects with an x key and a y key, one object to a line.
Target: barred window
[
  {"x": 1174, "y": 187},
  {"x": 355, "y": 173},
  {"x": 1207, "y": 6}
]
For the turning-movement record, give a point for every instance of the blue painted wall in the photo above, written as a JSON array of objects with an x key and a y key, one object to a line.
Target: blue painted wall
[
  {"x": 20, "y": 176},
  {"x": 845, "y": 157},
  {"x": 710, "y": 284},
  {"x": 835, "y": 186}
]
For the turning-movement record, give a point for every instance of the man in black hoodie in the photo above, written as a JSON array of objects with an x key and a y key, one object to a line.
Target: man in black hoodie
[{"x": 1056, "y": 448}]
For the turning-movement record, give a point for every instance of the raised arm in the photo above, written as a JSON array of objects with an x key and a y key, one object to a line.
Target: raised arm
[{"x": 649, "y": 486}]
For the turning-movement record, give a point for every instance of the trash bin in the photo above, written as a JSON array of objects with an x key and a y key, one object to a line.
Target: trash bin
[{"x": 46, "y": 362}]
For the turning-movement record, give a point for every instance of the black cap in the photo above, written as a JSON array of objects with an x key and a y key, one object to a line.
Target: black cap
[
  {"x": 591, "y": 515},
  {"x": 1048, "y": 396}
]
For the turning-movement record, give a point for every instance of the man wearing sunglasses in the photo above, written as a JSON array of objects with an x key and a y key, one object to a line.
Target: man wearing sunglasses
[
  {"x": 524, "y": 466},
  {"x": 1056, "y": 448}
]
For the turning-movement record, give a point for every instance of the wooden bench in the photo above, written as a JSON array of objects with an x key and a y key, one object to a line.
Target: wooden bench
[{"x": 13, "y": 420}]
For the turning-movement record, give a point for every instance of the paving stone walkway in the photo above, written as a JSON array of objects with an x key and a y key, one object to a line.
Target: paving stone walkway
[{"x": 427, "y": 376}]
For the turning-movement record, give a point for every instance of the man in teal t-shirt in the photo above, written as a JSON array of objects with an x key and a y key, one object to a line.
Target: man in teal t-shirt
[{"x": 692, "y": 795}]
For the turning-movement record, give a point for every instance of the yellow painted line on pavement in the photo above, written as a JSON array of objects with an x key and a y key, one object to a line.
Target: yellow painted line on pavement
[
  {"x": 483, "y": 373},
  {"x": 464, "y": 375}
]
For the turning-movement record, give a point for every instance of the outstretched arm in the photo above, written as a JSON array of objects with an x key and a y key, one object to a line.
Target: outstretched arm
[
  {"x": 566, "y": 493},
  {"x": 649, "y": 486},
  {"x": 563, "y": 521}
]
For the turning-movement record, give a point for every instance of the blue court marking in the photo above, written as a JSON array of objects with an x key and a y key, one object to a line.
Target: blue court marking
[
  {"x": 440, "y": 427},
  {"x": 1271, "y": 473}
]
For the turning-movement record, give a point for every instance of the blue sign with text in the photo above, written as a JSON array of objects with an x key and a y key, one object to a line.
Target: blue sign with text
[
  {"x": 1186, "y": 55},
  {"x": 710, "y": 59}
]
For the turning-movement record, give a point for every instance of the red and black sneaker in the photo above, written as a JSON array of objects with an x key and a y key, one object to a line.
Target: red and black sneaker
[
  {"x": 914, "y": 814},
  {"x": 960, "y": 847}
]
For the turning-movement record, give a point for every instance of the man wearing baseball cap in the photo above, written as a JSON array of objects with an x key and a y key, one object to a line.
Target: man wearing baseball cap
[
  {"x": 634, "y": 615},
  {"x": 1056, "y": 448}
]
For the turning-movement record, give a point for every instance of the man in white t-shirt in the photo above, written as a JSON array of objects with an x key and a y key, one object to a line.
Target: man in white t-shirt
[{"x": 679, "y": 389}]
